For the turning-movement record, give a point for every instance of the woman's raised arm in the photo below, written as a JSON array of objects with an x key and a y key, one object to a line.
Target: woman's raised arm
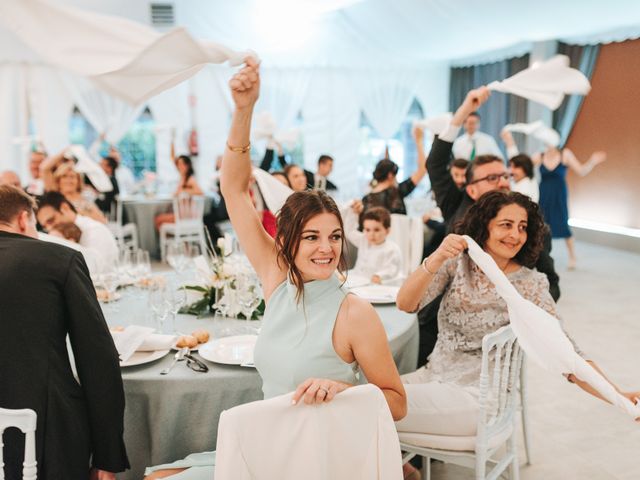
[{"x": 235, "y": 175}]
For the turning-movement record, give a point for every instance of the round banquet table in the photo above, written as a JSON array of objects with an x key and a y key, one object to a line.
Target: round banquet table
[
  {"x": 170, "y": 416},
  {"x": 143, "y": 210}
]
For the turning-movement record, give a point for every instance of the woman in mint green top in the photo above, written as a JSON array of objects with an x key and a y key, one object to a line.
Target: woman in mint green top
[{"x": 313, "y": 334}]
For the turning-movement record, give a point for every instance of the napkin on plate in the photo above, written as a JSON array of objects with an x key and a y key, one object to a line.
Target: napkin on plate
[{"x": 136, "y": 338}]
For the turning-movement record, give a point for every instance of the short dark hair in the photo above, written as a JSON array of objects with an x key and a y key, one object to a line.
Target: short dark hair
[
  {"x": 524, "y": 162},
  {"x": 113, "y": 163},
  {"x": 383, "y": 168},
  {"x": 460, "y": 163},
  {"x": 475, "y": 114},
  {"x": 476, "y": 162},
  {"x": 54, "y": 200},
  {"x": 475, "y": 223},
  {"x": 379, "y": 214},
  {"x": 14, "y": 201},
  {"x": 324, "y": 159}
]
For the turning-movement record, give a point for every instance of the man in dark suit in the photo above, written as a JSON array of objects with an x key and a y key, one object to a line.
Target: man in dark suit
[
  {"x": 316, "y": 180},
  {"x": 46, "y": 294},
  {"x": 486, "y": 173}
]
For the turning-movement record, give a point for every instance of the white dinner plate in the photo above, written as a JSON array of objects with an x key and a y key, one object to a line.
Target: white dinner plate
[
  {"x": 379, "y": 294},
  {"x": 354, "y": 280},
  {"x": 140, "y": 358},
  {"x": 236, "y": 350}
]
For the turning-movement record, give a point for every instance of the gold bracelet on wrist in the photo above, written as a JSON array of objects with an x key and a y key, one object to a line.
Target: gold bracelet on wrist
[
  {"x": 239, "y": 149},
  {"x": 424, "y": 267}
]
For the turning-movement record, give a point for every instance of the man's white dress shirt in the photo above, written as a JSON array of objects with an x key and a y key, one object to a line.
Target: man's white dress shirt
[
  {"x": 97, "y": 238},
  {"x": 484, "y": 145}
]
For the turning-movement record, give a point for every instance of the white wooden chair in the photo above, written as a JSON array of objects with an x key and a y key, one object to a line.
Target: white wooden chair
[
  {"x": 25, "y": 420},
  {"x": 407, "y": 233},
  {"x": 498, "y": 404},
  {"x": 188, "y": 226},
  {"x": 126, "y": 234}
]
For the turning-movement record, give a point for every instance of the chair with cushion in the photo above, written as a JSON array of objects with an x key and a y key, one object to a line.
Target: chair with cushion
[
  {"x": 498, "y": 406},
  {"x": 25, "y": 420},
  {"x": 188, "y": 226}
]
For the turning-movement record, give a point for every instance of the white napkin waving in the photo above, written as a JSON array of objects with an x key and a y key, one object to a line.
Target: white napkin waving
[
  {"x": 536, "y": 129},
  {"x": 541, "y": 337},
  {"x": 91, "y": 169},
  {"x": 436, "y": 125},
  {"x": 546, "y": 83},
  {"x": 136, "y": 338},
  {"x": 265, "y": 127},
  {"x": 273, "y": 192},
  {"x": 127, "y": 59}
]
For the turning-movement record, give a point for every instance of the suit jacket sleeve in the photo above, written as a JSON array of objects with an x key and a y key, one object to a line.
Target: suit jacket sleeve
[
  {"x": 545, "y": 265},
  {"x": 98, "y": 368},
  {"x": 448, "y": 196},
  {"x": 267, "y": 160}
]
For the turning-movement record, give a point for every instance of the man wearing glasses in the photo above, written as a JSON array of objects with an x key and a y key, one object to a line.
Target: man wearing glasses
[{"x": 484, "y": 174}]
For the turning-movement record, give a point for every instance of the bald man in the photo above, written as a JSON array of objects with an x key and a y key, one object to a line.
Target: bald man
[{"x": 9, "y": 177}]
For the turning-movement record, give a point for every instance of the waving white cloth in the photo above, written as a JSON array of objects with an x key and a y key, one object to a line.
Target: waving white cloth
[
  {"x": 541, "y": 337},
  {"x": 127, "y": 59},
  {"x": 436, "y": 125},
  {"x": 273, "y": 192},
  {"x": 536, "y": 129},
  {"x": 545, "y": 83},
  {"x": 265, "y": 127},
  {"x": 91, "y": 169}
]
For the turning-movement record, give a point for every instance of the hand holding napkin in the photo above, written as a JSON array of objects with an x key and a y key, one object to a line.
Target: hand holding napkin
[{"x": 541, "y": 337}]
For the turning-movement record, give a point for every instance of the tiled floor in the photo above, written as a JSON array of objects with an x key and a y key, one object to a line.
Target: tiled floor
[{"x": 574, "y": 435}]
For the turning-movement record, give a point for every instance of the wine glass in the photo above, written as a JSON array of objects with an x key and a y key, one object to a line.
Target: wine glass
[
  {"x": 177, "y": 256},
  {"x": 159, "y": 305},
  {"x": 249, "y": 297},
  {"x": 143, "y": 264},
  {"x": 177, "y": 298}
]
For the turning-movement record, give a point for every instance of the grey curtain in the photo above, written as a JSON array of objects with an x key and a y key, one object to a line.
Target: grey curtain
[
  {"x": 502, "y": 108},
  {"x": 584, "y": 58}
]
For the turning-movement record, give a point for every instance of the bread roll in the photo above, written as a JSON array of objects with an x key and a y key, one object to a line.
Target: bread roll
[
  {"x": 187, "y": 341},
  {"x": 201, "y": 335}
]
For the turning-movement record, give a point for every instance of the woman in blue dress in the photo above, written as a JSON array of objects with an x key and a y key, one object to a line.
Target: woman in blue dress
[
  {"x": 314, "y": 337},
  {"x": 554, "y": 164}
]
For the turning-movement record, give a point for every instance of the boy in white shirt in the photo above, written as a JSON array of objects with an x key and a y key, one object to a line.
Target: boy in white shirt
[{"x": 379, "y": 259}]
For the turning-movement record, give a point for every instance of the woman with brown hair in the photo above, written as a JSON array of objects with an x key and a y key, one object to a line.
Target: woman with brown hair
[
  {"x": 444, "y": 394},
  {"x": 59, "y": 175},
  {"x": 314, "y": 337}
]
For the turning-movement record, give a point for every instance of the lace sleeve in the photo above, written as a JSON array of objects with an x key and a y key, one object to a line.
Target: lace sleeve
[
  {"x": 538, "y": 293},
  {"x": 440, "y": 282}
]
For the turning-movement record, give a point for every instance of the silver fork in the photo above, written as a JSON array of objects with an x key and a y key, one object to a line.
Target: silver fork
[{"x": 176, "y": 358}]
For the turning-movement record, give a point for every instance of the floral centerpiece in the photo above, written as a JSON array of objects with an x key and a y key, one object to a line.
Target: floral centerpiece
[{"x": 223, "y": 286}]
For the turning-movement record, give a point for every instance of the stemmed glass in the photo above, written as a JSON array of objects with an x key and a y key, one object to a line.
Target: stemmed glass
[
  {"x": 143, "y": 265},
  {"x": 177, "y": 298},
  {"x": 222, "y": 303},
  {"x": 159, "y": 305},
  {"x": 177, "y": 256},
  {"x": 249, "y": 296}
]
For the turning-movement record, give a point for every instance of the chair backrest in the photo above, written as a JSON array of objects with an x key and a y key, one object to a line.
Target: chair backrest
[
  {"x": 188, "y": 208},
  {"x": 353, "y": 436},
  {"x": 25, "y": 420},
  {"x": 408, "y": 234},
  {"x": 501, "y": 364}
]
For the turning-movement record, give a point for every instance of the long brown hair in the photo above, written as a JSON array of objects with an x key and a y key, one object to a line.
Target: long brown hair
[{"x": 299, "y": 208}]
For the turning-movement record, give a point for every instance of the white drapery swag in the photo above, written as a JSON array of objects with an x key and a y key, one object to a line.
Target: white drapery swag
[
  {"x": 135, "y": 62},
  {"x": 385, "y": 98},
  {"x": 105, "y": 113},
  {"x": 540, "y": 336}
]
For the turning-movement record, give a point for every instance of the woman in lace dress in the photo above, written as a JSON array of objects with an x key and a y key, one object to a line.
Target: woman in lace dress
[{"x": 443, "y": 395}]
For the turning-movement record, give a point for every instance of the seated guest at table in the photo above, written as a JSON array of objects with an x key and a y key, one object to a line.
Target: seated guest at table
[
  {"x": 9, "y": 177},
  {"x": 386, "y": 191},
  {"x": 36, "y": 186},
  {"x": 313, "y": 333},
  {"x": 522, "y": 177},
  {"x": 458, "y": 171},
  {"x": 59, "y": 176},
  {"x": 187, "y": 184},
  {"x": 379, "y": 259},
  {"x": 443, "y": 395},
  {"x": 54, "y": 209},
  {"x": 296, "y": 177},
  {"x": 106, "y": 200},
  {"x": 46, "y": 294}
]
